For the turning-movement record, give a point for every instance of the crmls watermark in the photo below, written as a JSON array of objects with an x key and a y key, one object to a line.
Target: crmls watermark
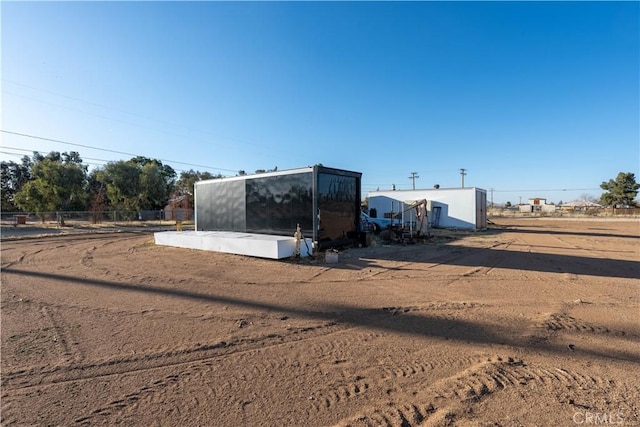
[{"x": 598, "y": 418}]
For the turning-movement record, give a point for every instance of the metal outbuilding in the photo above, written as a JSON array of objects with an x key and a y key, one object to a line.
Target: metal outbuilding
[
  {"x": 323, "y": 201},
  {"x": 464, "y": 208}
]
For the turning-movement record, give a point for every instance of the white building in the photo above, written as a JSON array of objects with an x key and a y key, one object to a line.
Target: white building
[
  {"x": 537, "y": 205},
  {"x": 446, "y": 207}
]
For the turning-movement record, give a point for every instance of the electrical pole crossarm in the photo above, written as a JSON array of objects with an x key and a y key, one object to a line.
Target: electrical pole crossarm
[{"x": 413, "y": 177}]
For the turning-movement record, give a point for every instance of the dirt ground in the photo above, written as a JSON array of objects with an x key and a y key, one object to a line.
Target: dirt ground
[{"x": 534, "y": 322}]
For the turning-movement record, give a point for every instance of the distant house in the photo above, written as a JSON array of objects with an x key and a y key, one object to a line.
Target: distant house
[
  {"x": 537, "y": 205},
  {"x": 580, "y": 205},
  {"x": 538, "y": 202},
  {"x": 178, "y": 209}
]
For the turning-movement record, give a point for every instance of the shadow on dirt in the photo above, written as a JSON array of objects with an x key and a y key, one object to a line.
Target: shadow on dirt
[
  {"x": 438, "y": 250},
  {"x": 509, "y": 259},
  {"x": 389, "y": 318},
  {"x": 547, "y": 230}
]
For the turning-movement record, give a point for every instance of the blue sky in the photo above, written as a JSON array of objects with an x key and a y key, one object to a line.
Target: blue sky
[{"x": 533, "y": 99}]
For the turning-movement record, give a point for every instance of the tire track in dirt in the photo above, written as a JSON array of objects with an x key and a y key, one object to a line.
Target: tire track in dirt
[
  {"x": 332, "y": 350},
  {"x": 389, "y": 370},
  {"x": 435, "y": 305},
  {"x": 340, "y": 349},
  {"x": 386, "y": 376},
  {"x": 64, "y": 336},
  {"x": 68, "y": 244},
  {"x": 597, "y": 255},
  {"x": 443, "y": 398},
  {"x": 24, "y": 258},
  {"x": 317, "y": 274},
  {"x": 446, "y": 261},
  {"x": 340, "y": 394},
  {"x": 591, "y": 251},
  {"x": 537, "y": 262},
  {"x": 87, "y": 258},
  {"x": 220, "y": 391},
  {"x": 88, "y": 248},
  {"x": 51, "y": 243},
  {"x": 338, "y": 352},
  {"x": 133, "y": 398},
  {"x": 39, "y": 376},
  {"x": 563, "y": 321},
  {"x": 380, "y": 272},
  {"x": 499, "y": 256},
  {"x": 426, "y": 364}
]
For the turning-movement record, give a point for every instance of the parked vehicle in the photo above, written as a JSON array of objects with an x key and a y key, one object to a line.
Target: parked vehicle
[{"x": 378, "y": 224}]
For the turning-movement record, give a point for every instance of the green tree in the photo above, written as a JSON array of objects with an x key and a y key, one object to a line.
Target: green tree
[
  {"x": 13, "y": 177},
  {"x": 621, "y": 191},
  {"x": 97, "y": 197},
  {"x": 122, "y": 182},
  {"x": 167, "y": 172},
  {"x": 136, "y": 184},
  {"x": 154, "y": 190},
  {"x": 265, "y": 170},
  {"x": 58, "y": 183}
]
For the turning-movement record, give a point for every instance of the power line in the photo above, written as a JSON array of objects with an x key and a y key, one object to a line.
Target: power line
[
  {"x": 237, "y": 140},
  {"x": 555, "y": 189},
  {"x": 83, "y": 162},
  {"x": 107, "y": 150},
  {"x": 493, "y": 190},
  {"x": 104, "y": 162},
  {"x": 378, "y": 186},
  {"x": 11, "y": 154},
  {"x": 88, "y": 113},
  {"x": 127, "y": 122},
  {"x": 31, "y": 151},
  {"x": 73, "y": 99}
]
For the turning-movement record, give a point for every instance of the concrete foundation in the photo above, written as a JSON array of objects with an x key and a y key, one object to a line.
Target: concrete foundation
[{"x": 257, "y": 245}]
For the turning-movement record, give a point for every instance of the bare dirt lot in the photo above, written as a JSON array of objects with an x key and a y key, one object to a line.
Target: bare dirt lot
[{"x": 533, "y": 322}]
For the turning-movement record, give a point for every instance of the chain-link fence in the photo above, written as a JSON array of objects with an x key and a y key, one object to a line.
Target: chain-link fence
[
  {"x": 95, "y": 217},
  {"x": 568, "y": 211}
]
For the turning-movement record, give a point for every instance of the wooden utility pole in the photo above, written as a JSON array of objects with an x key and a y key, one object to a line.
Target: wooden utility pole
[{"x": 413, "y": 176}]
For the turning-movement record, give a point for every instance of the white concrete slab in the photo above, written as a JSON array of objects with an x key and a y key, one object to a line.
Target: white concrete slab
[{"x": 257, "y": 245}]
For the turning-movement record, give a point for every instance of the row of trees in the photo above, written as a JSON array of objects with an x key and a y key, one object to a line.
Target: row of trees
[{"x": 61, "y": 182}]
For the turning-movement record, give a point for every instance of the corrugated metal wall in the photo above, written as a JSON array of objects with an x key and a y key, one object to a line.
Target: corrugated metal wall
[{"x": 220, "y": 205}]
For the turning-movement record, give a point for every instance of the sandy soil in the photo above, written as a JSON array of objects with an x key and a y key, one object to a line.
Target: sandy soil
[{"x": 531, "y": 323}]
